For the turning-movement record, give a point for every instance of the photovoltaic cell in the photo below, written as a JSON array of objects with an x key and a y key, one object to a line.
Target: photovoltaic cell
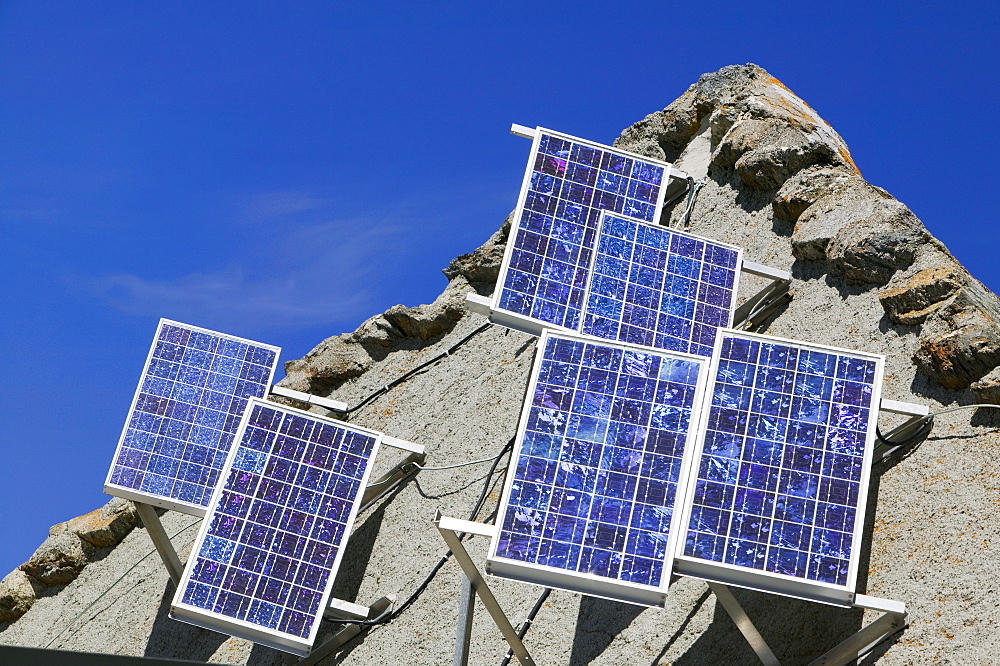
[
  {"x": 782, "y": 473},
  {"x": 660, "y": 287},
  {"x": 180, "y": 427},
  {"x": 597, "y": 466},
  {"x": 265, "y": 559},
  {"x": 568, "y": 183}
]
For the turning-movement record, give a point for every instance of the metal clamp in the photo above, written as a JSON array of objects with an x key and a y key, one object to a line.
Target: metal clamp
[{"x": 760, "y": 306}]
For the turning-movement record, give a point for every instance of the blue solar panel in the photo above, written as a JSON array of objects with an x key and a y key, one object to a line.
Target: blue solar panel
[
  {"x": 782, "y": 474},
  {"x": 184, "y": 415},
  {"x": 597, "y": 465},
  {"x": 567, "y": 185},
  {"x": 265, "y": 559},
  {"x": 659, "y": 287}
]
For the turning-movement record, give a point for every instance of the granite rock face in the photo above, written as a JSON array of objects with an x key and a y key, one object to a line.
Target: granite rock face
[{"x": 779, "y": 182}]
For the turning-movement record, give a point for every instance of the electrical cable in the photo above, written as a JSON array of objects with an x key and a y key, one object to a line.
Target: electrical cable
[
  {"x": 110, "y": 587},
  {"x": 522, "y": 628},
  {"x": 391, "y": 614},
  {"x": 417, "y": 369},
  {"x": 692, "y": 196},
  {"x": 924, "y": 426},
  {"x": 465, "y": 464},
  {"x": 687, "y": 186}
]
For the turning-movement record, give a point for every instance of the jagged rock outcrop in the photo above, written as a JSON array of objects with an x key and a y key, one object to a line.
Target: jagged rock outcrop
[
  {"x": 772, "y": 142},
  {"x": 69, "y": 548},
  {"x": 779, "y": 182}
]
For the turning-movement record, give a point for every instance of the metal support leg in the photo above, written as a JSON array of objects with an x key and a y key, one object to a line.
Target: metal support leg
[
  {"x": 480, "y": 587},
  {"x": 757, "y": 308},
  {"x": 744, "y": 624},
  {"x": 854, "y": 647},
  {"x": 864, "y": 641},
  {"x": 399, "y": 474},
  {"x": 463, "y": 629},
  {"x": 159, "y": 537},
  {"x": 340, "y": 637}
]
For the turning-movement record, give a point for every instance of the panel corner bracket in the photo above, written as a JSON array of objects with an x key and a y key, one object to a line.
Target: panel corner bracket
[
  {"x": 309, "y": 398},
  {"x": 523, "y": 131},
  {"x": 344, "y": 610},
  {"x": 759, "y": 307}
]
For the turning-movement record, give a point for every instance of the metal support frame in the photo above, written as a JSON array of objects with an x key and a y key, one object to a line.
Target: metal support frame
[
  {"x": 451, "y": 530},
  {"x": 400, "y": 473},
  {"x": 759, "y": 306},
  {"x": 344, "y": 610},
  {"x": 918, "y": 417},
  {"x": 160, "y": 539},
  {"x": 855, "y": 646}
]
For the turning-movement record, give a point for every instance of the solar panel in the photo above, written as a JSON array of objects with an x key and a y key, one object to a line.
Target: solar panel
[
  {"x": 568, "y": 182},
  {"x": 598, "y": 461},
  {"x": 180, "y": 427},
  {"x": 660, "y": 287},
  {"x": 782, "y": 471},
  {"x": 266, "y": 556}
]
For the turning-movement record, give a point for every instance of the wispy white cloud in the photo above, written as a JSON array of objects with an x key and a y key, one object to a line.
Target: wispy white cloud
[
  {"x": 280, "y": 204},
  {"x": 311, "y": 274}
]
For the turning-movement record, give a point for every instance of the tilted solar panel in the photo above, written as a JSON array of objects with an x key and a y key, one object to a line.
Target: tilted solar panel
[
  {"x": 589, "y": 503},
  {"x": 782, "y": 472},
  {"x": 180, "y": 427},
  {"x": 567, "y": 184},
  {"x": 659, "y": 287},
  {"x": 266, "y": 556}
]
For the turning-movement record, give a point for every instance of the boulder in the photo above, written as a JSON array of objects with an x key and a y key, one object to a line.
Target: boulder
[
  {"x": 60, "y": 558},
  {"x": 923, "y": 293},
  {"x": 18, "y": 592}
]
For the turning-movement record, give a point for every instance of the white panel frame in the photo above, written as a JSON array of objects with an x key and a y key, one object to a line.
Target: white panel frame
[
  {"x": 241, "y": 628},
  {"x": 585, "y": 583},
  {"x": 170, "y": 503},
  {"x": 766, "y": 581},
  {"x": 524, "y": 323}
]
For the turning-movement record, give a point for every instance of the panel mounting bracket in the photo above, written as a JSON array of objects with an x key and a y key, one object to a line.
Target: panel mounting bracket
[
  {"x": 919, "y": 418},
  {"x": 344, "y": 610},
  {"x": 452, "y": 530},
  {"x": 484, "y": 305},
  {"x": 758, "y": 307},
  {"x": 855, "y": 646},
  {"x": 399, "y": 474},
  {"x": 309, "y": 398}
]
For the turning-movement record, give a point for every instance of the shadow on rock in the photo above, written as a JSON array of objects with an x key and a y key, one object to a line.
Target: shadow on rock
[
  {"x": 598, "y": 623},
  {"x": 797, "y": 631}
]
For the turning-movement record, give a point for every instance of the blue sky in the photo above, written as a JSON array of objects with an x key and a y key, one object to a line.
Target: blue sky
[{"x": 284, "y": 171}]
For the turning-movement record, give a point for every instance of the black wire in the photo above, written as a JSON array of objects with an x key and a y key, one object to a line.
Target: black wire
[
  {"x": 390, "y": 615},
  {"x": 522, "y": 629},
  {"x": 417, "y": 369},
  {"x": 920, "y": 434},
  {"x": 687, "y": 185}
]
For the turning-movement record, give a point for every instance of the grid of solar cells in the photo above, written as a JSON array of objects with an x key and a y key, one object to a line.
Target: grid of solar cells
[
  {"x": 659, "y": 287},
  {"x": 599, "y": 460},
  {"x": 187, "y": 408},
  {"x": 778, "y": 482},
  {"x": 570, "y": 183},
  {"x": 276, "y": 529}
]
